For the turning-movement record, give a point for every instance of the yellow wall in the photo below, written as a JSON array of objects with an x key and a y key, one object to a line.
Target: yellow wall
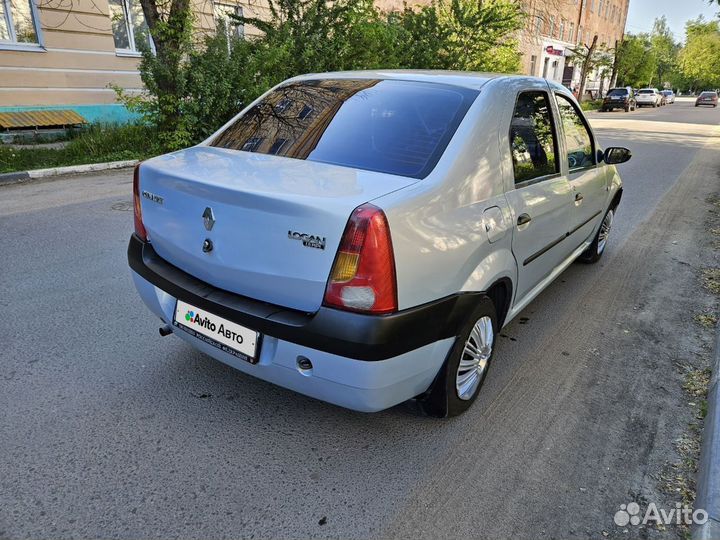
[{"x": 78, "y": 61}]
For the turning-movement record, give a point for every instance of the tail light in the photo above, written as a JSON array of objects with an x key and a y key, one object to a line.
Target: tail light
[
  {"x": 137, "y": 209},
  {"x": 363, "y": 275}
]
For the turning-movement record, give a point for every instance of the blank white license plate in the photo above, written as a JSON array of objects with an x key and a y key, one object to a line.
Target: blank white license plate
[{"x": 216, "y": 331}]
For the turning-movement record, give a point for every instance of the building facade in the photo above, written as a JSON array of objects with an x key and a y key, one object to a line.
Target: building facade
[
  {"x": 554, "y": 27},
  {"x": 70, "y": 53}
]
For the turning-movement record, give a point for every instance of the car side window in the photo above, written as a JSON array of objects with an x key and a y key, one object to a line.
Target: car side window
[
  {"x": 532, "y": 137},
  {"x": 578, "y": 141}
]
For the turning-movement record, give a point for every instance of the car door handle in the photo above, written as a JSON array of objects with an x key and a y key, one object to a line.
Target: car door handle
[
  {"x": 579, "y": 197},
  {"x": 523, "y": 219}
]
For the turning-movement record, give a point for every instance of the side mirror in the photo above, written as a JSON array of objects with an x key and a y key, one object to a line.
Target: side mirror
[{"x": 616, "y": 155}]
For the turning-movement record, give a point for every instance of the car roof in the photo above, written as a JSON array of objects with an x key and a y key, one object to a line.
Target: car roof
[{"x": 467, "y": 79}]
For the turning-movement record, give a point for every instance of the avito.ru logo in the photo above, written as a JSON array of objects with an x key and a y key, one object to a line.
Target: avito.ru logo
[{"x": 680, "y": 515}]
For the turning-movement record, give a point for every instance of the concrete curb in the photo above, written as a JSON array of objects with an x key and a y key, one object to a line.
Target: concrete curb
[
  {"x": 14, "y": 177},
  {"x": 708, "y": 490}
]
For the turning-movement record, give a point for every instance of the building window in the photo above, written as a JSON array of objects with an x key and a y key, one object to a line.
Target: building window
[
  {"x": 571, "y": 34},
  {"x": 18, "y": 22},
  {"x": 552, "y": 26},
  {"x": 130, "y": 31},
  {"x": 533, "y": 65},
  {"x": 538, "y": 24},
  {"x": 592, "y": 5},
  {"x": 600, "y": 8},
  {"x": 222, "y": 12},
  {"x": 580, "y": 34},
  {"x": 562, "y": 29}
]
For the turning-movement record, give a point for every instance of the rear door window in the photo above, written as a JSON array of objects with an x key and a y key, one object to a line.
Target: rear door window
[
  {"x": 390, "y": 126},
  {"x": 532, "y": 138}
]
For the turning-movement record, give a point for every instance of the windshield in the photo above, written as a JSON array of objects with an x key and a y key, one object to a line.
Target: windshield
[
  {"x": 389, "y": 126},
  {"x": 708, "y": 94},
  {"x": 646, "y": 92},
  {"x": 666, "y": 92},
  {"x": 618, "y": 92}
]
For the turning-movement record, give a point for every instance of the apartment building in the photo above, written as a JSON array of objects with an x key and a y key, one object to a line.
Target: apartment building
[
  {"x": 67, "y": 54},
  {"x": 554, "y": 27}
]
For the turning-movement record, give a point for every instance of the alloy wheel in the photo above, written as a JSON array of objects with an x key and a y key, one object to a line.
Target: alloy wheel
[
  {"x": 604, "y": 231},
  {"x": 475, "y": 358}
]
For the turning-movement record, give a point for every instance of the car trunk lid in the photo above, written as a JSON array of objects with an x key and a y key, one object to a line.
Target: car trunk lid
[{"x": 262, "y": 226}]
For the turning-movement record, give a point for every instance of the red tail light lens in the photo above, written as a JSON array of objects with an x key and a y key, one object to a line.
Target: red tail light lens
[
  {"x": 137, "y": 209},
  {"x": 363, "y": 275}
]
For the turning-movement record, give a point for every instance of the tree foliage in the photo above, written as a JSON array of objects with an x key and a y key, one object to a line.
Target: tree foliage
[
  {"x": 637, "y": 63},
  {"x": 700, "y": 58},
  {"x": 192, "y": 88},
  {"x": 665, "y": 50}
]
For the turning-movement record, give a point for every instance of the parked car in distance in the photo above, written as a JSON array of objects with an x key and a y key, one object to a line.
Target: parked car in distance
[
  {"x": 707, "y": 98},
  {"x": 649, "y": 97},
  {"x": 669, "y": 96},
  {"x": 308, "y": 241},
  {"x": 619, "y": 98}
]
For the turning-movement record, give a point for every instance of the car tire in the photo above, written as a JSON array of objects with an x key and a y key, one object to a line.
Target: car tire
[
  {"x": 596, "y": 249},
  {"x": 464, "y": 371}
]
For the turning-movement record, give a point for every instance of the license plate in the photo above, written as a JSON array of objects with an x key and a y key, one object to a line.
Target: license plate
[{"x": 226, "y": 335}]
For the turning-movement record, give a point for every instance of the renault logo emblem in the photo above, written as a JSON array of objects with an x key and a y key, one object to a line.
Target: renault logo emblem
[{"x": 208, "y": 218}]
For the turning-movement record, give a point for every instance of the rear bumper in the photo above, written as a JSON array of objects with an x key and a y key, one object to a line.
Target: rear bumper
[
  {"x": 615, "y": 105},
  {"x": 352, "y": 335},
  {"x": 361, "y": 362}
]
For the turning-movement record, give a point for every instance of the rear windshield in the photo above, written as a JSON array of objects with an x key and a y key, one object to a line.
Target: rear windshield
[
  {"x": 666, "y": 92},
  {"x": 646, "y": 92},
  {"x": 618, "y": 92},
  {"x": 708, "y": 94},
  {"x": 389, "y": 126}
]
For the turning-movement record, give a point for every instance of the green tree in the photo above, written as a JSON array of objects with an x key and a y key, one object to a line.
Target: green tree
[
  {"x": 700, "y": 58},
  {"x": 636, "y": 61},
  {"x": 192, "y": 86},
  {"x": 665, "y": 50},
  {"x": 590, "y": 58}
]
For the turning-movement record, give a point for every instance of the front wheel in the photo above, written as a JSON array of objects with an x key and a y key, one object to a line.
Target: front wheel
[
  {"x": 458, "y": 383},
  {"x": 595, "y": 250}
]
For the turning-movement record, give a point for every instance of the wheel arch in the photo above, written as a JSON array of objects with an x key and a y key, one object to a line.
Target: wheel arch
[{"x": 500, "y": 292}]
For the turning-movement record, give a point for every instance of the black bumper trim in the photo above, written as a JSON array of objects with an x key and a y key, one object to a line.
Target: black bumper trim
[{"x": 352, "y": 335}]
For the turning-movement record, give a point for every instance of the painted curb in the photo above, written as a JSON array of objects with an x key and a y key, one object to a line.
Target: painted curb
[
  {"x": 14, "y": 177},
  {"x": 708, "y": 490}
]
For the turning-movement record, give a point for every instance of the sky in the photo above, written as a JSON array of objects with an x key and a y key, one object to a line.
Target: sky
[{"x": 642, "y": 13}]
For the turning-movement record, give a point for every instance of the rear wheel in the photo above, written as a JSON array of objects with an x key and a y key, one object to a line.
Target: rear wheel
[
  {"x": 459, "y": 381},
  {"x": 595, "y": 250}
]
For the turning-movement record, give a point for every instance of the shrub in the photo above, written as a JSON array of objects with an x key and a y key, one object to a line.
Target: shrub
[{"x": 217, "y": 78}]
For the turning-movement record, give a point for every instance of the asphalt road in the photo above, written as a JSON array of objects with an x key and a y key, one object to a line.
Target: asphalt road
[{"x": 109, "y": 431}]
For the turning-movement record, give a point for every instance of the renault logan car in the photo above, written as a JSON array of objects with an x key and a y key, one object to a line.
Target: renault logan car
[{"x": 362, "y": 237}]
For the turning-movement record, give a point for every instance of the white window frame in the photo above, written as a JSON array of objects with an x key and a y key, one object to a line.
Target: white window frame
[
  {"x": 13, "y": 43},
  {"x": 239, "y": 30},
  {"x": 129, "y": 28}
]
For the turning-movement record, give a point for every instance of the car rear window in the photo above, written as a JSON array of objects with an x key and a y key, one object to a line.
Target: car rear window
[
  {"x": 708, "y": 94},
  {"x": 646, "y": 92},
  {"x": 389, "y": 126},
  {"x": 618, "y": 92}
]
